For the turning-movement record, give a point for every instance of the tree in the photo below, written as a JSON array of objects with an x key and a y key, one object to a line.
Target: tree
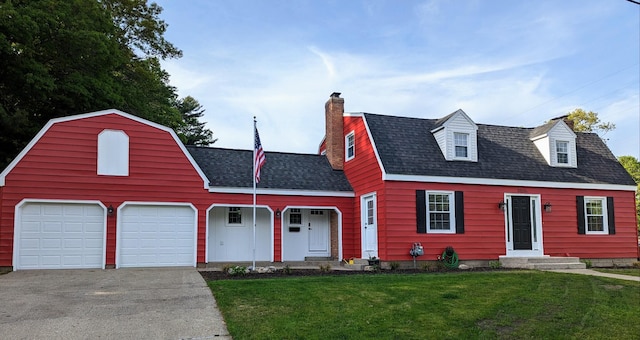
[
  {"x": 633, "y": 168},
  {"x": 66, "y": 57},
  {"x": 192, "y": 131},
  {"x": 589, "y": 122}
]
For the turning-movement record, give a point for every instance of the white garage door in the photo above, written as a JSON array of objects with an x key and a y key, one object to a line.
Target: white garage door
[
  {"x": 60, "y": 236},
  {"x": 157, "y": 236}
]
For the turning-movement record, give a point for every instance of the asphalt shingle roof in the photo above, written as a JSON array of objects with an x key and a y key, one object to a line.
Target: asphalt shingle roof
[
  {"x": 233, "y": 168},
  {"x": 407, "y": 147}
]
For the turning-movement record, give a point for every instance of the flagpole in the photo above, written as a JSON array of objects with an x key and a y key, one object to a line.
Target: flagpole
[{"x": 253, "y": 268}]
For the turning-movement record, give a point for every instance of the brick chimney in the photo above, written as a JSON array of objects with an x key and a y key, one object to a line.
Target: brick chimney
[{"x": 334, "y": 134}]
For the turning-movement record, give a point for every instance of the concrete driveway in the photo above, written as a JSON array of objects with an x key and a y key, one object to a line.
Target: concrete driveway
[{"x": 171, "y": 303}]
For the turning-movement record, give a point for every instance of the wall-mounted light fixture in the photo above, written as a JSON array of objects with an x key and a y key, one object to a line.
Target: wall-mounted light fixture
[
  {"x": 278, "y": 213},
  {"x": 110, "y": 210},
  {"x": 547, "y": 207},
  {"x": 502, "y": 206}
]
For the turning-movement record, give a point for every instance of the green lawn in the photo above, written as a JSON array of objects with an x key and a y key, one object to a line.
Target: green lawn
[
  {"x": 622, "y": 271},
  {"x": 473, "y": 305}
]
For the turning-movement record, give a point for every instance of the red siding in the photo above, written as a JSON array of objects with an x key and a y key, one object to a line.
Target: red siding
[
  {"x": 365, "y": 177},
  {"x": 484, "y": 236},
  {"x": 63, "y": 165}
]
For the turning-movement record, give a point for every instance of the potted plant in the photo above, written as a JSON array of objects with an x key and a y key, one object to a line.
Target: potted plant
[{"x": 374, "y": 261}]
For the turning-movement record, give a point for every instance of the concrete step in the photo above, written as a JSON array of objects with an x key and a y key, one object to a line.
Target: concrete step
[
  {"x": 542, "y": 262},
  {"x": 558, "y": 265},
  {"x": 549, "y": 259}
]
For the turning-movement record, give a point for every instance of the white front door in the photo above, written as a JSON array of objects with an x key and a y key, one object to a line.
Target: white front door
[
  {"x": 369, "y": 226},
  {"x": 318, "y": 232},
  {"x": 523, "y": 219}
]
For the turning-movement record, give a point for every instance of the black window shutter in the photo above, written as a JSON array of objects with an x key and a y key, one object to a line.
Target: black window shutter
[
  {"x": 580, "y": 208},
  {"x": 611, "y": 216},
  {"x": 459, "y": 213},
  {"x": 421, "y": 211}
]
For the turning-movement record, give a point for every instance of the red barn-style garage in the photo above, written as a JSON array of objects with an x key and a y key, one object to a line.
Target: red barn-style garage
[{"x": 108, "y": 189}]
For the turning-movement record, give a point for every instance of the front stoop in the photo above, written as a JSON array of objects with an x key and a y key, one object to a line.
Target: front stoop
[{"x": 542, "y": 262}]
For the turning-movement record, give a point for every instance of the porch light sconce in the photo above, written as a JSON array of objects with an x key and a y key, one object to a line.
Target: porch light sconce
[
  {"x": 278, "y": 213},
  {"x": 502, "y": 206},
  {"x": 110, "y": 210},
  {"x": 547, "y": 207}
]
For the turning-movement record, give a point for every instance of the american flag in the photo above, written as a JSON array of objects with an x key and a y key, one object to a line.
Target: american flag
[{"x": 260, "y": 159}]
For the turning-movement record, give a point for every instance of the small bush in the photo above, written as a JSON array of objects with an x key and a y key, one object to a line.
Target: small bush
[
  {"x": 227, "y": 268},
  {"x": 636, "y": 264},
  {"x": 325, "y": 268},
  {"x": 495, "y": 264},
  {"x": 287, "y": 270},
  {"x": 394, "y": 265},
  {"x": 237, "y": 270},
  {"x": 587, "y": 263}
]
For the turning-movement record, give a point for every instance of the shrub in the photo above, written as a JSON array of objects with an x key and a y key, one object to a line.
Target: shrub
[
  {"x": 394, "y": 265},
  {"x": 287, "y": 270},
  {"x": 588, "y": 263},
  {"x": 325, "y": 268},
  {"x": 495, "y": 264},
  {"x": 237, "y": 270}
]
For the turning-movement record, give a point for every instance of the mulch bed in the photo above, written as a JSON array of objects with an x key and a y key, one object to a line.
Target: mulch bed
[{"x": 219, "y": 275}]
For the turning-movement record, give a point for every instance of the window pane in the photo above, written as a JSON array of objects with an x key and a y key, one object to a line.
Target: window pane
[
  {"x": 439, "y": 211},
  {"x": 370, "y": 212},
  {"x": 351, "y": 145},
  {"x": 234, "y": 216},
  {"x": 439, "y": 221},
  {"x": 594, "y": 210},
  {"x": 461, "y": 144},
  {"x": 563, "y": 158},
  {"x": 595, "y": 223},
  {"x": 295, "y": 217},
  {"x": 562, "y": 151}
]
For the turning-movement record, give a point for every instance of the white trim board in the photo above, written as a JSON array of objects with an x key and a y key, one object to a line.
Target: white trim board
[
  {"x": 283, "y": 192},
  {"x": 506, "y": 182}
]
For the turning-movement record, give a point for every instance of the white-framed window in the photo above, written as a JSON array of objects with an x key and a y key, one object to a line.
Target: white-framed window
[
  {"x": 234, "y": 216},
  {"x": 461, "y": 144},
  {"x": 295, "y": 217},
  {"x": 562, "y": 152},
  {"x": 595, "y": 215},
  {"x": 350, "y": 146},
  {"x": 440, "y": 213}
]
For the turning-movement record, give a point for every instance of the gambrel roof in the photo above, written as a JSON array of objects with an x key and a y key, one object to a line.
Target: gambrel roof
[
  {"x": 405, "y": 146},
  {"x": 231, "y": 168}
]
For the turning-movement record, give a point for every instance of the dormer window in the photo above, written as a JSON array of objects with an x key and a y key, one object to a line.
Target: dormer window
[
  {"x": 557, "y": 144},
  {"x": 461, "y": 141},
  {"x": 457, "y": 137},
  {"x": 562, "y": 152}
]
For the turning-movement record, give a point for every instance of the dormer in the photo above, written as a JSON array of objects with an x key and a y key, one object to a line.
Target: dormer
[
  {"x": 457, "y": 136},
  {"x": 556, "y": 141}
]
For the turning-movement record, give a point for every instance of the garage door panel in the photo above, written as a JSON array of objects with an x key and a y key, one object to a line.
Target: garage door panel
[
  {"x": 60, "y": 235},
  {"x": 154, "y": 236}
]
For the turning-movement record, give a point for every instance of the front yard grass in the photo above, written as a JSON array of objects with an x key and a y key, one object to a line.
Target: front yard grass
[{"x": 472, "y": 305}]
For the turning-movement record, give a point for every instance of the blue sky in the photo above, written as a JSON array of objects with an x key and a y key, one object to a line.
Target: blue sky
[{"x": 516, "y": 63}]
